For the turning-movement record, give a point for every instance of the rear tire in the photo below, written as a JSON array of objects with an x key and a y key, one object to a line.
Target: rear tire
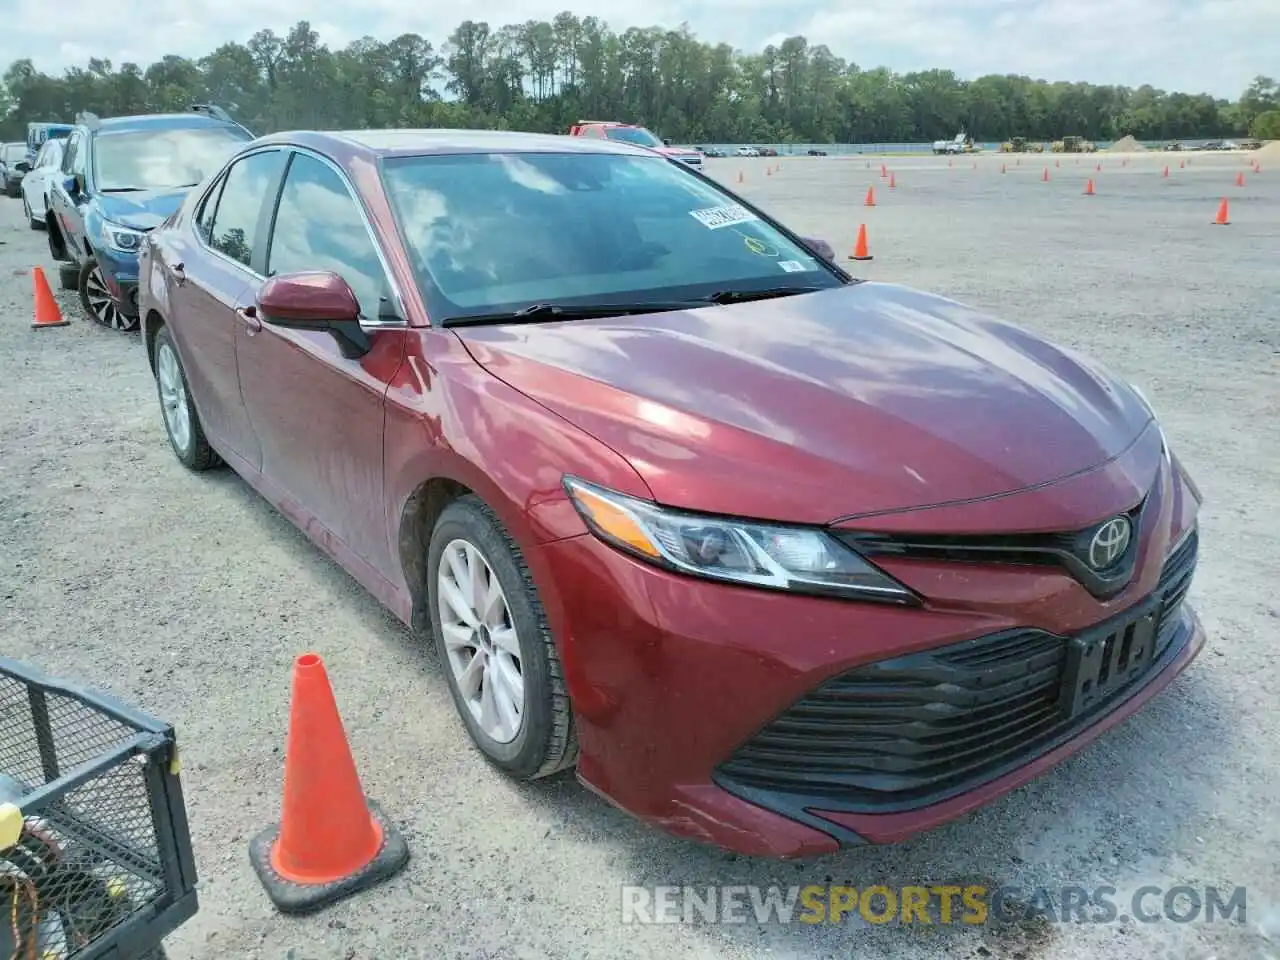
[
  {"x": 509, "y": 619},
  {"x": 181, "y": 422}
]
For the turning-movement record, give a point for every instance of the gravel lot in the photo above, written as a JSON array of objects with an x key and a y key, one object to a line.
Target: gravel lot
[{"x": 190, "y": 597}]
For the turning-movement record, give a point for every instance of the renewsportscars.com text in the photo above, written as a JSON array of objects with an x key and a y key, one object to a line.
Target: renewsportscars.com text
[{"x": 941, "y": 904}]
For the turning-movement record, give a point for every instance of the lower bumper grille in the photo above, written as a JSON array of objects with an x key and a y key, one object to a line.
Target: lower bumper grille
[{"x": 903, "y": 733}]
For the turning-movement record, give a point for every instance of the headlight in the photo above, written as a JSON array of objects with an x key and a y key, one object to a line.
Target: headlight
[
  {"x": 123, "y": 238},
  {"x": 795, "y": 559}
]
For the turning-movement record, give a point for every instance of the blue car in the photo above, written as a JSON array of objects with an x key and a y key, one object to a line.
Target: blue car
[{"x": 120, "y": 178}]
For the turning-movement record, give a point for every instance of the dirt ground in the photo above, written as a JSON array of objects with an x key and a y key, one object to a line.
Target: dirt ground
[{"x": 189, "y": 597}]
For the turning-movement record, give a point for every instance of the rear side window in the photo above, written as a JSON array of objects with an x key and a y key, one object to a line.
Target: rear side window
[{"x": 235, "y": 230}]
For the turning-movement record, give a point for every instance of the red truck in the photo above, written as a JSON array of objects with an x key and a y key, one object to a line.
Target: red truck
[{"x": 641, "y": 136}]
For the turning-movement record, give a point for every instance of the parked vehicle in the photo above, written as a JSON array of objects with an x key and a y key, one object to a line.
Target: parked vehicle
[
  {"x": 961, "y": 143},
  {"x": 780, "y": 559},
  {"x": 1074, "y": 145},
  {"x": 817, "y": 153},
  {"x": 41, "y": 132},
  {"x": 641, "y": 136},
  {"x": 120, "y": 177},
  {"x": 37, "y": 184},
  {"x": 748, "y": 151},
  {"x": 13, "y": 167},
  {"x": 1021, "y": 145}
]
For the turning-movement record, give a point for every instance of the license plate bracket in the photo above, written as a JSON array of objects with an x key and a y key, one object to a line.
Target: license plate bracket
[{"x": 1102, "y": 662}]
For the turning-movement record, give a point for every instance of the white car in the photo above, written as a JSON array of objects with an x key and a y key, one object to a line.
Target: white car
[
  {"x": 748, "y": 152},
  {"x": 38, "y": 183}
]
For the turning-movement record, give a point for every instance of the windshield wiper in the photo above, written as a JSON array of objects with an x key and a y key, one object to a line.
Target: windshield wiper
[
  {"x": 123, "y": 190},
  {"x": 549, "y": 312},
  {"x": 743, "y": 296}
]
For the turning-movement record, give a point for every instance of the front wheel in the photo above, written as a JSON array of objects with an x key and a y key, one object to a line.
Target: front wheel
[
  {"x": 97, "y": 300},
  {"x": 492, "y": 636},
  {"x": 181, "y": 422}
]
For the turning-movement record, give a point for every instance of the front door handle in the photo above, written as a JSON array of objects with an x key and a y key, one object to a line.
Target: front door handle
[
  {"x": 249, "y": 315},
  {"x": 179, "y": 273}
]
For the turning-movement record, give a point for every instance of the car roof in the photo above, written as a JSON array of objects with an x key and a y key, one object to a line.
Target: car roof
[
  {"x": 349, "y": 144},
  {"x": 157, "y": 121}
]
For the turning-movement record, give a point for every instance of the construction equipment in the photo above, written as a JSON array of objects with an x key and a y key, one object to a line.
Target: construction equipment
[
  {"x": 1074, "y": 145},
  {"x": 1021, "y": 145}
]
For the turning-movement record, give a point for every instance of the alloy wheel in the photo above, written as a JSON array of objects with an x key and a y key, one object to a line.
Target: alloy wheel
[
  {"x": 101, "y": 304},
  {"x": 480, "y": 641},
  {"x": 173, "y": 398}
]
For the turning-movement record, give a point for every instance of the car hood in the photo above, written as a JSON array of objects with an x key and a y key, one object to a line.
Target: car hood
[
  {"x": 141, "y": 211},
  {"x": 862, "y": 399}
]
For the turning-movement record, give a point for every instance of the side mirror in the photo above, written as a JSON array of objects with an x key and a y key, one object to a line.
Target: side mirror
[
  {"x": 315, "y": 300},
  {"x": 22, "y": 166},
  {"x": 666, "y": 141},
  {"x": 820, "y": 247}
]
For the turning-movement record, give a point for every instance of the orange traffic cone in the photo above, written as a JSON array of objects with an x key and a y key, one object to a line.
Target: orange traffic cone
[
  {"x": 768, "y": 171},
  {"x": 1221, "y": 219},
  {"x": 1182, "y": 164},
  {"x": 1240, "y": 179},
  {"x": 1045, "y": 176},
  {"x": 871, "y": 197},
  {"x": 1098, "y": 168},
  {"x": 893, "y": 181},
  {"x": 739, "y": 176},
  {"x": 47, "y": 313},
  {"x": 860, "y": 251},
  {"x": 1002, "y": 168},
  {"x": 1088, "y": 188},
  {"x": 331, "y": 842},
  {"x": 884, "y": 171}
]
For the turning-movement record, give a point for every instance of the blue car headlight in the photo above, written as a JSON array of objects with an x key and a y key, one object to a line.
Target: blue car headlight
[{"x": 122, "y": 239}]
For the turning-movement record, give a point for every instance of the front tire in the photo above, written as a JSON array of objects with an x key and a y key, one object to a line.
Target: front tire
[
  {"x": 97, "y": 300},
  {"x": 181, "y": 422},
  {"x": 492, "y": 637}
]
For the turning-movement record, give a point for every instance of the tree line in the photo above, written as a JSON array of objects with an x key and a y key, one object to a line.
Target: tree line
[{"x": 545, "y": 75}]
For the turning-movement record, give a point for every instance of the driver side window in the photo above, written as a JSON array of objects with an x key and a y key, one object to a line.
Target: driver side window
[
  {"x": 319, "y": 227},
  {"x": 69, "y": 158}
]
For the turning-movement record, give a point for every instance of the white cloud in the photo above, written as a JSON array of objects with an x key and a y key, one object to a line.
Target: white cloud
[{"x": 1192, "y": 45}]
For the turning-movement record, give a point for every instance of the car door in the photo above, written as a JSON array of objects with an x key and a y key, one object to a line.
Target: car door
[
  {"x": 36, "y": 187},
  {"x": 210, "y": 277},
  {"x": 318, "y": 414},
  {"x": 70, "y": 199}
]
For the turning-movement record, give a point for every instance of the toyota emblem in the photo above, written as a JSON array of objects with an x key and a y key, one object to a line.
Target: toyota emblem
[{"x": 1109, "y": 543}]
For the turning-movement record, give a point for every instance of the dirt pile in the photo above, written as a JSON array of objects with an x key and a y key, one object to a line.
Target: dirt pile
[
  {"x": 1126, "y": 145},
  {"x": 1268, "y": 153}
]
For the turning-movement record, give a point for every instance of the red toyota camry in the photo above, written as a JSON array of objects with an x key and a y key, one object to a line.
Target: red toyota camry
[{"x": 777, "y": 558}]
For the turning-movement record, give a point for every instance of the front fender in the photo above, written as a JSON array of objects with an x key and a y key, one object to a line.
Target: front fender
[{"x": 447, "y": 418}]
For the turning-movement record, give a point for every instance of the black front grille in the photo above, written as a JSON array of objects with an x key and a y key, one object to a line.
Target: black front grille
[
  {"x": 910, "y": 731},
  {"x": 1067, "y": 549}
]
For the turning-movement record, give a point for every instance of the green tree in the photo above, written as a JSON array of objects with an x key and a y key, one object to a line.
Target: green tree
[
  {"x": 543, "y": 75},
  {"x": 1266, "y": 126}
]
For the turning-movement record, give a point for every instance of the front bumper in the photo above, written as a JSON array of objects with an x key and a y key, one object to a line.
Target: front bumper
[
  {"x": 713, "y": 712},
  {"x": 120, "y": 273}
]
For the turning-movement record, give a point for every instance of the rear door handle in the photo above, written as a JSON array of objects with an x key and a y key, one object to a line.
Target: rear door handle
[{"x": 249, "y": 315}]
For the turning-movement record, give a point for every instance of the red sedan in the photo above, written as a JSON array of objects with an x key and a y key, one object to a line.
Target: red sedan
[{"x": 778, "y": 559}]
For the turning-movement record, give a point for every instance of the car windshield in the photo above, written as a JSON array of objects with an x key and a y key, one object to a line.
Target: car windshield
[
  {"x": 162, "y": 159},
  {"x": 494, "y": 232},
  {"x": 636, "y": 135},
  {"x": 13, "y": 151}
]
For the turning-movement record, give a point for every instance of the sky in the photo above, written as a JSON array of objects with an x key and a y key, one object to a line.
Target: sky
[{"x": 1213, "y": 46}]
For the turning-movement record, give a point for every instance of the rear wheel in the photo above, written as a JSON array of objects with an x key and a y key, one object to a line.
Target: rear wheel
[
  {"x": 97, "y": 300},
  {"x": 181, "y": 422},
  {"x": 492, "y": 637}
]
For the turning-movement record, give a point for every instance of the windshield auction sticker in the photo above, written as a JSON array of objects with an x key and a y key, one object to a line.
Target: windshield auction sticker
[{"x": 713, "y": 218}]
